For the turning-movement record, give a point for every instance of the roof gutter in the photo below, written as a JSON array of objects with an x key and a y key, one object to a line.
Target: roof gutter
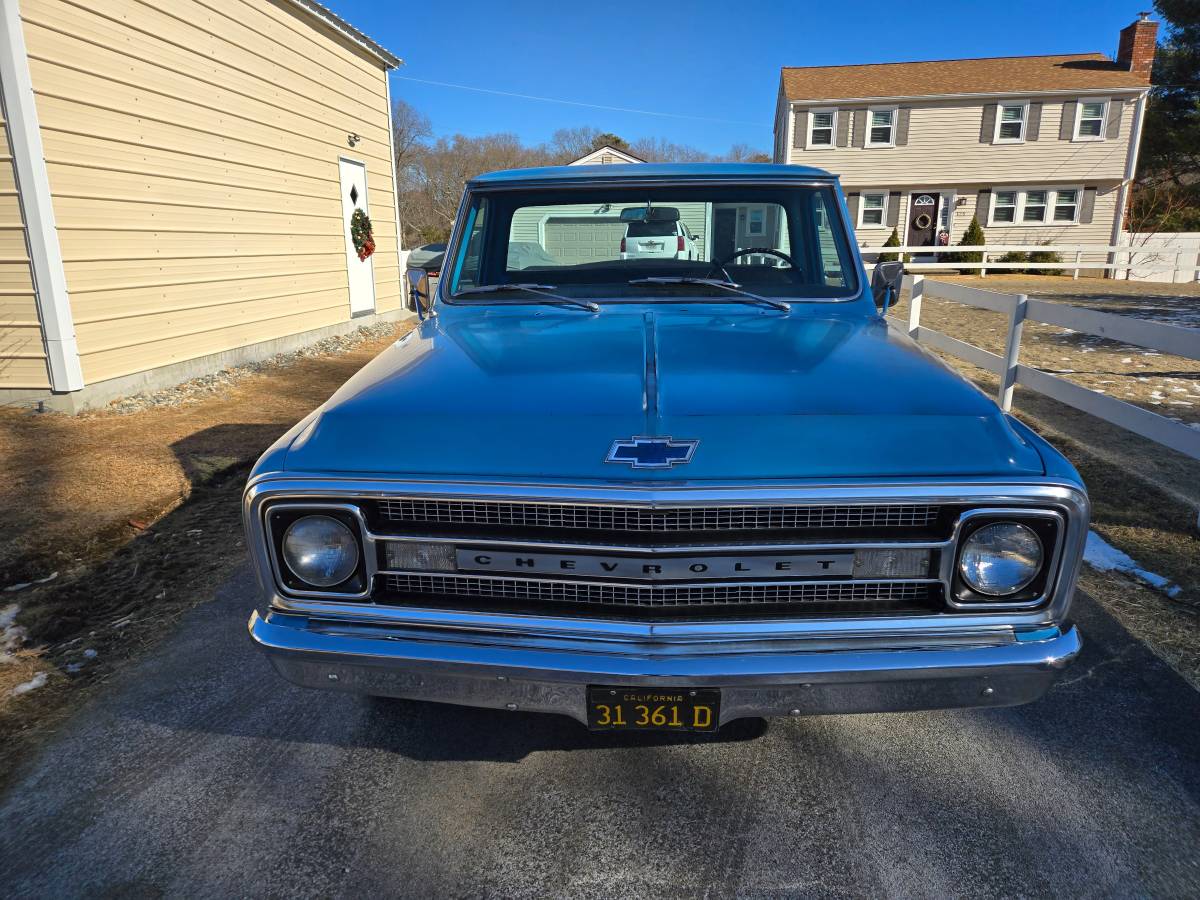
[{"x": 347, "y": 31}]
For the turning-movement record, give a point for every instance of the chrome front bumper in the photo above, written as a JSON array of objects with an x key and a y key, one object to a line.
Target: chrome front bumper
[{"x": 757, "y": 678}]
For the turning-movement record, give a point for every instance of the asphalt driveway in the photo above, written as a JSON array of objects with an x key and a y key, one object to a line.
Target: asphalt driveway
[{"x": 202, "y": 774}]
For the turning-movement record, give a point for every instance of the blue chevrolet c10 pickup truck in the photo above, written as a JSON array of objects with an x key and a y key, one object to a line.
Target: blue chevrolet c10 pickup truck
[{"x": 654, "y": 458}]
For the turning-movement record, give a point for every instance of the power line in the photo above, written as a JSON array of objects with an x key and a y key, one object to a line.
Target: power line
[{"x": 624, "y": 109}]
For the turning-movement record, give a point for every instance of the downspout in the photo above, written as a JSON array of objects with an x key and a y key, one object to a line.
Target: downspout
[
  {"x": 401, "y": 256},
  {"x": 1131, "y": 158},
  {"x": 37, "y": 211}
]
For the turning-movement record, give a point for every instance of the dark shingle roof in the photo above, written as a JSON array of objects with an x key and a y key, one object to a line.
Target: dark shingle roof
[{"x": 1003, "y": 74}]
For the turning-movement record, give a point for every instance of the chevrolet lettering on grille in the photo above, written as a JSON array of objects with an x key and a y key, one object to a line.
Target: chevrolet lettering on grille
[{"x": 793, "y": 565}]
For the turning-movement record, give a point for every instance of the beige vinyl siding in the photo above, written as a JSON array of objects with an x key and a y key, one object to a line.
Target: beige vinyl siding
[
  {"x": 22, "y": 351},
  {"x": 192, "y": 150},
  {"x": 1097, "y": 232},
  {"x": 944, "y": 149}
]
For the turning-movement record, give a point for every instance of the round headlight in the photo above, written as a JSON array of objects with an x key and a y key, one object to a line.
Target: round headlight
[
  {"x": 1001, "y": 558},
  {"x": 320, "y": 551}
]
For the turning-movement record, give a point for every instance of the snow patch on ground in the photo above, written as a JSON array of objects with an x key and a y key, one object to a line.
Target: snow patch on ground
[
  {"x": 1104, "y": 557},
  {"x": 12, "y": 635},
  {"x": 24, "y": 584},
  {"x": 37, "y": 681}
]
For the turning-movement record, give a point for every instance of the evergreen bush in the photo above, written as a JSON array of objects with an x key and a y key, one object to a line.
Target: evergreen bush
[
  {"x": 1045, "y": 256},
  {"x": 892, "y": 241},
  {"x": 973, "y": 237}
]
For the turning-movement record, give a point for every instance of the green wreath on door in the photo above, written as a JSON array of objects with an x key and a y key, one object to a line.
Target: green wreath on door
[{"x": 361, "y": 234}]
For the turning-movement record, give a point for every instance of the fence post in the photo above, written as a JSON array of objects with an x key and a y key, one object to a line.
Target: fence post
[
  {"x": 1078, "y": 259},
  {"x": 983, "y": 264},
  {"x": 1012, "y": 351},
  {"x": 914, "y": 305}
]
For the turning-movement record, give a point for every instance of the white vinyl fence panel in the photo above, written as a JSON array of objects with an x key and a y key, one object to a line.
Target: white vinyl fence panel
[
  {"x": 1171, "y": 339},
  {"x": 1180, "y": 264},
  {"x": 1181, "y": 249}
]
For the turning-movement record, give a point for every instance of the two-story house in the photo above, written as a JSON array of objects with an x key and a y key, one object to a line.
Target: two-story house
[{"x": 1037, "y": 147}]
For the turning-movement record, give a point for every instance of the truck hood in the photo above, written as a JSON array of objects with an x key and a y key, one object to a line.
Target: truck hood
[{"x": 487, "y": 393}]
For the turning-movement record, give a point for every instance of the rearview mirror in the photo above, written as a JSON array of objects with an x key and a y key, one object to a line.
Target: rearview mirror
[
  {"x": 419, "y": 292},
  {"x": 885, "y": 283}
]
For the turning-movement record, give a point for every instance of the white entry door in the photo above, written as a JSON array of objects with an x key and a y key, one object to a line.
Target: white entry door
[{"x": 361, "y": 272}]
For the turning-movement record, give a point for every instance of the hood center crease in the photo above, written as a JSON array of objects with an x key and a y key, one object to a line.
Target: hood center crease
[{"x": 650, "y": 378}]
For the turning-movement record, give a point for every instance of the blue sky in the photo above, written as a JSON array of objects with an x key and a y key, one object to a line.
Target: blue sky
[{"x": 687, "y": 58}]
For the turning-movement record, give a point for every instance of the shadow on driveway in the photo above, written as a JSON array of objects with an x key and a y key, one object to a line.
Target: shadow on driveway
[{"x": 202, "y": 773}]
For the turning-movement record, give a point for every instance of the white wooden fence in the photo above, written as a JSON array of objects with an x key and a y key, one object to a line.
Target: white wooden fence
[
  {"x": 1172, "y": 339},
  {"x": 1182, "y": 263}
]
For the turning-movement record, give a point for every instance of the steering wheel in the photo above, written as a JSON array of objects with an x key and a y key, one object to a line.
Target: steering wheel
[{"x": 720, "y": 264}]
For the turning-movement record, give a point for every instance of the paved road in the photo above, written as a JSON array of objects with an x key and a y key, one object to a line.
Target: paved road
[{"x": 201, "y": 774}]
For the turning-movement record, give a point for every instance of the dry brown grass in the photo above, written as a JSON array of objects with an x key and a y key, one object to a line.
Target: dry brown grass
[
  {"x": 70, "y": 485},
  {"x": 1167, "y": 385},
  {"x": 70, "y": 488}
]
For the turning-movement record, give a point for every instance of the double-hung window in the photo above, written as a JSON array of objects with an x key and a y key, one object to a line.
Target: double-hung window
[
  {"x": 756, "y": 220},
  {"x": 1035, "y": 206},
  {"x": 1089, "y": 120},
  {"x": 1066, "y": 206},
  {"x": 1010, "y": 123},
  {"x": 881, "y": 127},
  {"x": 872, "y": 211},
  {"x": 1004, "y": 206},
  {"x": 821, "y": 125}
]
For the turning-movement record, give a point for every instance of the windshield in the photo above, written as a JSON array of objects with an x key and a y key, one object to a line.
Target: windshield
[{"x": 776, "y": 241}]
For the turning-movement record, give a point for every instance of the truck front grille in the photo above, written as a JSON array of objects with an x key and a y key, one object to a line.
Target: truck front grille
[
  {"x": 625, "y": 519},
  {"x": 798, "y": 597}
]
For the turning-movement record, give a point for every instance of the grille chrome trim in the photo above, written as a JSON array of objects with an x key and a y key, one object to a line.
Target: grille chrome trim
[
  {"x": 643, "y": 596},
  {"x": 1054, "y": 490},
  {"x": 644, "y": 519}
]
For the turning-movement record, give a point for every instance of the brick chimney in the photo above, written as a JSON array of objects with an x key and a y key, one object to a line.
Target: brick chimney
[{"x": 1136, "y": 49}]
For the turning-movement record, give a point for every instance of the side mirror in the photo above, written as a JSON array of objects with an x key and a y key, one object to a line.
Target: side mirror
[
  {"x": 419, "y": 292},
  {"x": 885, "y": 283}
]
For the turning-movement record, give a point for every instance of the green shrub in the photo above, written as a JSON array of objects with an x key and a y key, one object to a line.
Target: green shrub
[
  {"x": 892, "y": 241},
  {"x": 972, "y": 238},
  {"x": 1045, "y": 256},
  {"x": 1013, "y": 256}
]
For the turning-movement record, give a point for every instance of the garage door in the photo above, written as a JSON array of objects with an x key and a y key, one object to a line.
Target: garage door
[{"x": 583, "y": 240}]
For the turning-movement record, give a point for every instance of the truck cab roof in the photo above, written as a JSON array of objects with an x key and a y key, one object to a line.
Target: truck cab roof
[{"x": 652, "y": 171}]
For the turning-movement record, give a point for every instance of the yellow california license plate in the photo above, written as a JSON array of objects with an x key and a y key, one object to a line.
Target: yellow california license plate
[{"x": 653, "y": 709}]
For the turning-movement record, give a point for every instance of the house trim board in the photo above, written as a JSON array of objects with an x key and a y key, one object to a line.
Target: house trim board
[{"x": 37, "y": 210}]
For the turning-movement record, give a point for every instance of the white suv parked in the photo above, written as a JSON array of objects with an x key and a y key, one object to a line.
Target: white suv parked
[{"x": 660, "y": 235}]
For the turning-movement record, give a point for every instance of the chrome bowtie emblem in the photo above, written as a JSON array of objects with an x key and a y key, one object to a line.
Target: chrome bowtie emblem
[{"x": 652, "y": 452}]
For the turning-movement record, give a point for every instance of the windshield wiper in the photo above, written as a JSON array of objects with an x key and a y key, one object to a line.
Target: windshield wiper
[
  {"x": 731, "y": 286},
  {"x": 542, "y": 290}
]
